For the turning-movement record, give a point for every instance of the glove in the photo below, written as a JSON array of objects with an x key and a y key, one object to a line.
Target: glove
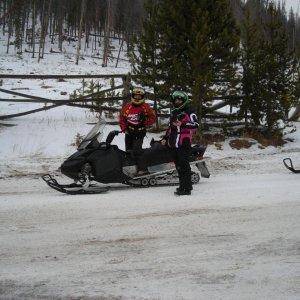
[
  {"x": 163, "y": 142},
  {"x": 142, "y": 118},
  {"x": 180, "y": 116},
  {"x": 176, "y": 123}
]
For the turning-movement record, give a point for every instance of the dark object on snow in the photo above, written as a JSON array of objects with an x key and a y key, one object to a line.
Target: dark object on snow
[
  {"x": 102, "y": 162},
  {"x": 289, "y": 165}
]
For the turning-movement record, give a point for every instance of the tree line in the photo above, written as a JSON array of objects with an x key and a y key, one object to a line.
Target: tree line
[
  {"x": 243, "y": 53},
  {"x": 60, "y": 19},
  {"x": 32, "y": 21}
]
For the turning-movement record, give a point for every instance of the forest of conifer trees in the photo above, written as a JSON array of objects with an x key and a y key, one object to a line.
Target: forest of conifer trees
[
  {"x": 245, "y": 52},
  {"x": 31, "y": 20}
]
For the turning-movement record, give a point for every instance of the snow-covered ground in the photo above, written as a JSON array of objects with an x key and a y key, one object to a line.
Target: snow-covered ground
[{"x": 236, "y": 237}]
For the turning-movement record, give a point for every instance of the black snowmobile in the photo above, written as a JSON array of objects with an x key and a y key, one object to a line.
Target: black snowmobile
[
  {"x": 289, "y": 165},
  {"x": 101, "y": 162}
]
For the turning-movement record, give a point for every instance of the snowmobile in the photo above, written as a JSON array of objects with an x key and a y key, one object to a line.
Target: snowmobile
[
  {"x": 289, "y": 165},
  {"x": 97, "y": 162}
]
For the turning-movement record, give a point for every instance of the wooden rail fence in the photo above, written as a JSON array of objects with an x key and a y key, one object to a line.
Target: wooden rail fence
[{"x": 96, "y": 101}]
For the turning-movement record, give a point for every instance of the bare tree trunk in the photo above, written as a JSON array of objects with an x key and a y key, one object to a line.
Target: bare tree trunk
[
  {"x": 60, "y": 27},
  {"x": 46, "y": 27},
  {"x": 42, "y": 30},
  {"x": 4, "y": 18},
  {"x": 106, "y": 34},
  {"x": 87, "y": 34},
  {"x": 9, "y": 33},
  {"x": 33, "y": 28},
  {"x": 52, "y": 28},
  {"x": 121, "y": 46},
  {"x": 83, "y": 6}
]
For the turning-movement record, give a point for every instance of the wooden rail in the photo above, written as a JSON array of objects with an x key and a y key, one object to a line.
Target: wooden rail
[
  {"x": 96, "y": 101},
  {"x": 64, "y": 76}
]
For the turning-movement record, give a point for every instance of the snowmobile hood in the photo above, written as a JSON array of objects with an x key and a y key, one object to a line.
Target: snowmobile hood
[{"x": 95, "y": 133}]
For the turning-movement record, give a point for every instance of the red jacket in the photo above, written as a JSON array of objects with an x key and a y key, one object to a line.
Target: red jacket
[{"x": 136, "y": 117}]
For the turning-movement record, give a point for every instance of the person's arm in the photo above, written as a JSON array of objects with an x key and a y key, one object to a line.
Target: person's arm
[
  {"x": 122, "y": 120},
  {"x": 191, "y": 123},
  {"x": 166, "y": 136},
  {"x": 150, "y": 116}
]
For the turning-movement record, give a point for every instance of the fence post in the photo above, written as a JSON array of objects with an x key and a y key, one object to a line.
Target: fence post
[{"x": 127, "y": 84}]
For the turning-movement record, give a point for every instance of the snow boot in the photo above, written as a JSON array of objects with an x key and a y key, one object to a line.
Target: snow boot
[
  {"x": 180, "y": 189},
  {"x": 180, "y": 192}
]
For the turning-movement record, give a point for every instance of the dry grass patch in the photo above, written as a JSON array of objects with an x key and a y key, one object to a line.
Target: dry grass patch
[{"x": 240, "y": 144}]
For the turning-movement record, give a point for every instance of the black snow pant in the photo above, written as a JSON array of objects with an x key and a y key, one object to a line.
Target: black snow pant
[
  {"x": 181, "y": 158},
  {"x": 134, "y": 142}
]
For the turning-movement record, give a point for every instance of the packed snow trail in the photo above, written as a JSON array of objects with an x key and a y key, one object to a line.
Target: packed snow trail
[{"x": 235, "y": 237}]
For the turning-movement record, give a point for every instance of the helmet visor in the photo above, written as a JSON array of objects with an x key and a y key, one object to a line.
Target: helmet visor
[
  {"x": 178, "y": 101},
  {"x": 137, "y": 96}
]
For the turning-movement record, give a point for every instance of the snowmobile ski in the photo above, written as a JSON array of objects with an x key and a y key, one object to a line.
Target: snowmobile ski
[
  {"x": 289, "y": 165},
  {"x": 73, "y": 188}
]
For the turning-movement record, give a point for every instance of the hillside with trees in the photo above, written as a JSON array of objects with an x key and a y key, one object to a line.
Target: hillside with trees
[{"x": 224, "y": 53}]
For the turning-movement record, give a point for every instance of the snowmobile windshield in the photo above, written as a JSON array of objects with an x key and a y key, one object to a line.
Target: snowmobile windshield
[{"x": 96, "y": 132}]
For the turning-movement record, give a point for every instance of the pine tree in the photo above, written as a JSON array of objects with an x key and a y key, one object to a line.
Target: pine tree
[
  {"x": 268, "y": 69},
  {"x": 18, "y": 23},
  {"x": 280, "y": 69},
  {"x": 146, "y": 57},
  {"x": 199, "y": 47},
  {"x": 250, "y": 61}
]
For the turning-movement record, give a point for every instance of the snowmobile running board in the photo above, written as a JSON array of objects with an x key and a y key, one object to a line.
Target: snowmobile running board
[
  {"x": 201, "y": 165},
  {"x": 168, "y": 176},
  {"x": 289, "y": 165},
  {"x": 73, "y": 189}
]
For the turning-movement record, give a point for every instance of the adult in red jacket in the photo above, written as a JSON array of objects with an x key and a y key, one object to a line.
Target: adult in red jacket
[{"x": 135, "y": 117}]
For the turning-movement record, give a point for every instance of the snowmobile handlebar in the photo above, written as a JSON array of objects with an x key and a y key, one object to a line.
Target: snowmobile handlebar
[{"x": 111, "y": 136}]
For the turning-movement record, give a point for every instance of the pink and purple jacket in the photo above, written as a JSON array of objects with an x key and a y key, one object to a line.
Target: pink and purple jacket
[{"x": 177, "y": 135}]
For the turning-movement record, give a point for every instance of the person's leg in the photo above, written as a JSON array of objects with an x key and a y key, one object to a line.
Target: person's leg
[
  {"x": 137, "y": 145},
  {"x": 144, "y": 161},
  {"x": 128, "y": 142},
  {"x": 183, "y": 168}
]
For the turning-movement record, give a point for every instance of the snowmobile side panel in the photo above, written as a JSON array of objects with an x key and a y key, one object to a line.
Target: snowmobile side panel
[
  {"x": 107, "y": 165},
  {"x": 72, "y": 166}
]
